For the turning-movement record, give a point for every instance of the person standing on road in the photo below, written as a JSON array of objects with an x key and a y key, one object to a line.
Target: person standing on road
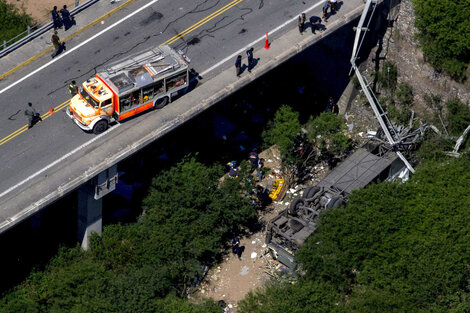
[
  {"x": 334, "y": 6},
  {"x": 56, "y": 20},
  {"x": 325, "y": 10},
  {"x": 32, "y": 114},
  {"x": 67, "y": 19},
  {"x": 58, "y": 46},
  {"x": 301, "y": 23},
  {"x": 238, "y": 65},
  {"x": 73, "y": 89},
  {"x": 249, "y": 53}
]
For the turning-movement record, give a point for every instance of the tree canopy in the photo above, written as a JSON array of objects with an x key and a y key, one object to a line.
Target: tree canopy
[
  {"x": 148, "y": 266},
  {"x": 444, "y": 32},
  {"x": 13, "y": 20}
]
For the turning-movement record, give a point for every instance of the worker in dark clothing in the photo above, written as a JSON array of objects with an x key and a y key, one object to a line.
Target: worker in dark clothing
[
  {"x": 301, "y": 23},
  {"x": 73, "y": 89},
  {"x": 67, "y": 19},
  {"x": 249, "y": 53},
  {"x": 331, "y": 106},
  {"x": 32, "y": 114},
  {"x": 58, "y": 45},
  {"x": 238, "y": 65},
  {"x": 56, "y": 20},
  {"x": 326, "y": 6},
  {"x": 233, "y": 171},
  {"x": 236, "y": 246}
]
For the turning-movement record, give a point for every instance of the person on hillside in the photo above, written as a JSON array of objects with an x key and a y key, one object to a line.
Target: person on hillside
[
  {"x": 236, "y": 246},
  {"x": 67, "y": 19},
  {"x": 56, "y": 20},
  {"x": 32, "y": 114}
]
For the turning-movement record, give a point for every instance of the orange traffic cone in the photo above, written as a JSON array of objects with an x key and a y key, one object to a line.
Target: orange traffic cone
[
  {"x": 267, "y": 45},
  {"x": 51, "y": 111}
]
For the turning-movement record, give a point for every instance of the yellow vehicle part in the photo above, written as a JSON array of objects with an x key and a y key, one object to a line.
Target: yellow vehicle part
[{"x": 277, "y": 188}]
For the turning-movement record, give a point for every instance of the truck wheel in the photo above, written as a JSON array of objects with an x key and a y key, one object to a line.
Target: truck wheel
[
  {"x": 294, "y": 205},
  {"x": 100, "y": 127},
  {"x": 160, "y": 103},
  {"x": 335, "y": 202},
  {"x": 306, "y": 191},
  {"x": 311, "y": 192}
]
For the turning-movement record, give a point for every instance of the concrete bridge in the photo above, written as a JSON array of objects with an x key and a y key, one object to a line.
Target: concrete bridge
[{"x": 55, "y": 157}]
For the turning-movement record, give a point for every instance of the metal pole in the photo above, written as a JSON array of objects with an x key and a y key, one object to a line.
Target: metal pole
[{"x": 76, "y": 3}]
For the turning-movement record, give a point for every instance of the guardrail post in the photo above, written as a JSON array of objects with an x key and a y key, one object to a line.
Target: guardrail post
[
  {"x": 76, "y": 3},
  {"x": 29, "y": 30},
  {"x": 4, "y": 44}
]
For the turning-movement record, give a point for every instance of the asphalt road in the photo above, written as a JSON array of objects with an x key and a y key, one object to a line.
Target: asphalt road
[{"x": 220, "y": 30}]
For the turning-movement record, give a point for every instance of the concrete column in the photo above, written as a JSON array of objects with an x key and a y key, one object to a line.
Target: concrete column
[
  {"x": 90, "y": 204},
  {"x": 89, "y": 214}
]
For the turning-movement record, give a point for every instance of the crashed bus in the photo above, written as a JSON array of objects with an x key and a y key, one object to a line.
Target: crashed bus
[{"x": 127, "y": 87}]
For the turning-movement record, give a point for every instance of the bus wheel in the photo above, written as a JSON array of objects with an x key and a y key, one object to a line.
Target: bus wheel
[
  {"x": 100, "y": 127},
  {"x": 160, "y": 103}
]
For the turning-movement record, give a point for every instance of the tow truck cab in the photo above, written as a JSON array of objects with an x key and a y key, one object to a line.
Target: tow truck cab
[{"x": 128, "y": 87}]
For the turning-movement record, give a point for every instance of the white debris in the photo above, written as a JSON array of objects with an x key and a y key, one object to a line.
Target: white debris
[
  {"x": 253, "y": 242},
  {"x": 263, "y": 246},
  {"x": 360, "y": 134},
  {"x": 254, "y": 255},
  {"x": 270, "y": 161},
  {"x": 244, "y": 271},
  {"x": 230, "y": 306},
  {"x": 371, "y": 133},
  {"x": 292, "y": 190}
]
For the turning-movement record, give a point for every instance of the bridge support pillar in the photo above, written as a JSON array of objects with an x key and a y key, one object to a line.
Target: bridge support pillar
[{"x": 90, "y": 204}]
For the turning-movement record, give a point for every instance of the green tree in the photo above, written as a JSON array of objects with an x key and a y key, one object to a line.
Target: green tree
[
  {"x": 283, "y": 129},
  {"x": 147, "y": 266},
  {"x": 13, "y": 22},
  {"x": 458, "y": 116},
  {"x": 444, "y": 33}
]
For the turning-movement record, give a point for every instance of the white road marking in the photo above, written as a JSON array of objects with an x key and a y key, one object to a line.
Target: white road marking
[
  {"x": 232, "y": 56},
  {"x": 117, "y": 125},
  {"x": 78, "y": 46},
  {"x": 59, "y": 160}
]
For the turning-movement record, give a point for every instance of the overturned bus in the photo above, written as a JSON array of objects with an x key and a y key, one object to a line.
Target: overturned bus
[
  {"x": 287, "y": 232},
  {"x": 127, "y": 87}
]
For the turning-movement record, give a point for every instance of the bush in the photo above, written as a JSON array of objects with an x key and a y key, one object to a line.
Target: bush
[
  {"x": 326, "y": 133},
  {"x": 387, "y": 77},
  {"x": 444, "y": 33},
  {"x": 458, "y": 116},
  {"x": 13, "y": 22},
  {"x": 283, "y": 129}
]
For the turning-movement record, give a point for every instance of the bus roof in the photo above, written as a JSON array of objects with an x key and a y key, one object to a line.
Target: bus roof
[{"x": 141, "y": 69}]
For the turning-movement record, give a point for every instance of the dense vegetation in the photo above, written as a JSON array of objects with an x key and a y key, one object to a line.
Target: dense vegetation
[
  {"x": 13, "y": 21},
  {"x": 395, "y": 248},
  {"x": 444, "y": 32},
  {"x": 148, "y": 266},
  {"x": 320, "y": 138}
]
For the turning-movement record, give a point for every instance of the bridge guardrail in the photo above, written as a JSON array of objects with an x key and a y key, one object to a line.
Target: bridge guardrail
[{"x": 41, "y": 30}]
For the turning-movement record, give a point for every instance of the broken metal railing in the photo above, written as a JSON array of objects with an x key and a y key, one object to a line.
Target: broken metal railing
[{"x": 389, "y": 130}]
